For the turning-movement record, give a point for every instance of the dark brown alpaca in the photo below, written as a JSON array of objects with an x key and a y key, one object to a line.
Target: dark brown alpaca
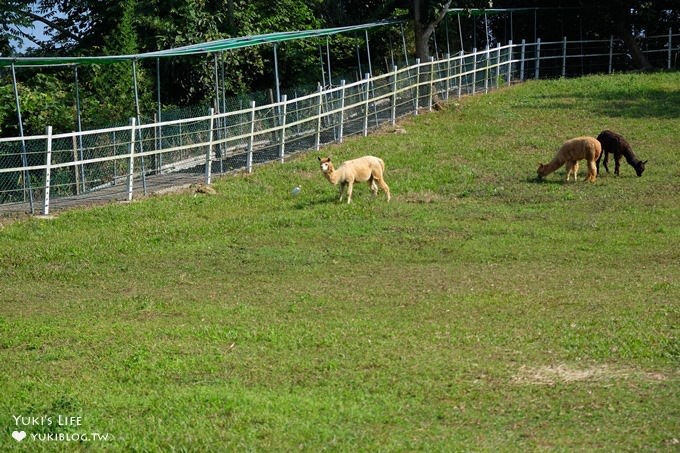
[{"x": 617, "y": 145}]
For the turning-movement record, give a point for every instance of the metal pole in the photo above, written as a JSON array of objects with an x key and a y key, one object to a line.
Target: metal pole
[
  {"x": 474, "y": 70},
  {"x": 80, "y": 127},
  {"x": 139, "y": 121},
  {"x": 276, "y": 75},
  {"x": 131, "y": 162},
  {"x": 24, "y": 157},
  {"x": 521, "y": 65},
  {"x": 460, "y": 34},
  {"x": 48, "y": 163},
  {"x": 394, "y": 97},
  {"x": 510, "y": 50},
  {"x": 611, "y": 52},
  {"x": 159, "y": 133},
  {"x": 368, "y": 53},
  {"x": 342, "y": 110},
  {"x": 284, "y": 100},
  {"x": 538, "y": 58},
  {"x": 208, "y": 154},
  {"x": 564, "y": 57},
  {"x": 415, "y": 112},
  {"x": 328, "y": 61},
  {"x": 670, "y": 46},
  {"x": 224, "y": 120},
  {"x": 217, "y": 107},
  {"x": 251, "y": 138},
  {"x": 317, "y": 141},
  {"x": 403, "y": 43},
  {"x": 359, "y": 60},
  {"x": 323, "y": 73},
  {"x": 446, "y": 28},
  {"x": 367, "y": 77}
]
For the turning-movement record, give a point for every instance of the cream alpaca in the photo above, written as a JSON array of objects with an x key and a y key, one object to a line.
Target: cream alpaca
[
  {"x": 570, "y": 153},
  {"x": 367, "y": 168}
]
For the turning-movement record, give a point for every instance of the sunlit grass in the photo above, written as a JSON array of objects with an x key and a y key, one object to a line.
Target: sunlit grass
[{"x": 481, "y": 309}]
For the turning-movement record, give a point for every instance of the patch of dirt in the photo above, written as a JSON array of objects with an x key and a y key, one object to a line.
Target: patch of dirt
[{"x": 564, "y": 373}]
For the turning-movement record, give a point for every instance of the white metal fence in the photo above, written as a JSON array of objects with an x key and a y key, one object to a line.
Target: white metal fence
[{"x": 42, "y": 173}]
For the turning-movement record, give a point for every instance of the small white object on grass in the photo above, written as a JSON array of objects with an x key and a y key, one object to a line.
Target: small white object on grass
[{"x": 296, "y": 191}]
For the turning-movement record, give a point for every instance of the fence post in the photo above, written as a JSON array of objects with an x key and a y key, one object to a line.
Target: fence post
[
  {"x": 564, "y": 56},
  {"x": 460, "y": 73},
  {"x": 367, "y": 77},
  {"x": 670, "y": 46},
  {"x": 509, "y": 61},
  {"x": 131, "y": 152},
  {"x": 429, "y": 102},
  {"x": 474, "y": 70},
  {"x": 208, "y": 154},
  {"x": 611, "y": 52},
  {"x": 417, "y": 85},
  {"x": 487, "y": 51},
  {"x": 317, "y": 141},
  {"x": 521, "y": 65},
  {"x": 538, "y": 58},
  {"x": 394, "y": 97},
  {"x": 282, "y": 152},
  {"x": 76, "y": 171},
  {"x": 342, "y": 110},
  {"x": 498, "y": 65},
  {"x": 48, "y": 169},
  {"x": 251, "y": 139},
  {"x": 448, "y": 76}
]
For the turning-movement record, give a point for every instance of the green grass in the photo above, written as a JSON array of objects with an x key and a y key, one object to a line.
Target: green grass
[{"x": 482, "y": 309}]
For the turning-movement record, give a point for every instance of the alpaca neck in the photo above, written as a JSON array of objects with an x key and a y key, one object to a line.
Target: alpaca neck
[
  {"x": 631, "y": 158},
  {"x": 554, "y": 164}
]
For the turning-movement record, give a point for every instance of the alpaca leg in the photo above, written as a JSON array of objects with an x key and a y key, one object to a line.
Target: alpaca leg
[
  {"x": 571, "y": 167},
  {"x": 606, "y": 161},
  {"x": 592, "y": 171},
  {"x": 385, "y": 188},
  {"x": 575, "y": 170},
  {"x": 349, "y": 192},
  {"x": 617, "y": 163},
  {"x": 373, "y": 186},
  {"x": 342, "y": 189}
]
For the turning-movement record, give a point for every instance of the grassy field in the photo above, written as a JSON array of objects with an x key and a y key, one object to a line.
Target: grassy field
[{"x": 481, "y": 309}]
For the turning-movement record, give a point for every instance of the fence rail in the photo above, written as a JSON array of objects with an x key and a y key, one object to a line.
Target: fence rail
[{"x": 42, "y": 173}]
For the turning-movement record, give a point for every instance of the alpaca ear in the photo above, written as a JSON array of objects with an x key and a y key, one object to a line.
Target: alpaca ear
[
  {"x": 319, "y": 157},
  {"x": 644, "y": 162}
]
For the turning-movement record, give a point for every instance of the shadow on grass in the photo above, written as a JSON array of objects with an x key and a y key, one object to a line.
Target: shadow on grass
[{"x": 621, "y": 101}]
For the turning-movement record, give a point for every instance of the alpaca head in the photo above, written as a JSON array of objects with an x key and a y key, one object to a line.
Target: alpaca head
[
  {"x": 325, "y": 164},
  {"x": 542, "y": 170},
  {"x": 640, "y": 167}
]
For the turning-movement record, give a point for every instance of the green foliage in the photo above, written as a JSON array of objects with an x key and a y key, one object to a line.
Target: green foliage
[
  {"x": 481, "y": 309},
  {"x": 44, "y": 100}
]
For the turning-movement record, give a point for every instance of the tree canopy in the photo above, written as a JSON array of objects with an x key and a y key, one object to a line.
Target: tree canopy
[{"x": 86, "y": 28}]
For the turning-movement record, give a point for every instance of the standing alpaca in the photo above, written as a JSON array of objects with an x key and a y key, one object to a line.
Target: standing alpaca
[
  {"x": 367, "y": 168},
  {"x": 617, "y": 145},
  {"x": 570, "y": 153}
]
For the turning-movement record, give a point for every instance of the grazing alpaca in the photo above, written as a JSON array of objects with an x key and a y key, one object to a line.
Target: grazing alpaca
[
  {"x": 367, "y": 168},
  {"x": 570, "y": 153},
  {"x": 617, "y": 145}
]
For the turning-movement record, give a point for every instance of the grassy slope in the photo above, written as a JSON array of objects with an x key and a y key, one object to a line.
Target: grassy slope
[{"x": 480, "y": 309}]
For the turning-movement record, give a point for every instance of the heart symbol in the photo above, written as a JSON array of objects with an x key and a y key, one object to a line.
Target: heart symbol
[{"x": 19, "y": 435}]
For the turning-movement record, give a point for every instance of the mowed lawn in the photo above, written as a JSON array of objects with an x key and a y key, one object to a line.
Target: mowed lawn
[{"x": 482, "y": 309}]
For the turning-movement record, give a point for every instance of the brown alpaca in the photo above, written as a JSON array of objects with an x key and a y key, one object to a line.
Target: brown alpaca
[
  {"x": 618, "y": 146},
  {"x": 367, "y": 168},
  {"x": 570, "y": 153}
]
